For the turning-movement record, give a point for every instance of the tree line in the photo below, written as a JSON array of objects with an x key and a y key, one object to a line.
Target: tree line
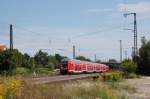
[{"x": 11, "y": 60}]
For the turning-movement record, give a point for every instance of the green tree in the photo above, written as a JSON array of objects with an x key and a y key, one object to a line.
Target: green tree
[
  {"x": 41, "y": 58},
  {"x": 10, "y": 59},
  {"x": 51, "y": 66},
  {"x": 27, "y": 62},
  {"x": 58, "y": 57},
  {"x": 27, "y": 56},
  {"x": 144, "y": 52},
  {"x": 112, "y": 61},
  {"x": 54, "y": 61},
  {"x": 82, "y": 58}
]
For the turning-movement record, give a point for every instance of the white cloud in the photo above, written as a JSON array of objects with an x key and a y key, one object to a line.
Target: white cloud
[{"x": 140, "y": 8}]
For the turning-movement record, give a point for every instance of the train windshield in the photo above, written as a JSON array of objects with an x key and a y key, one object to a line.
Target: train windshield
[{"x": 64, "y": 64}]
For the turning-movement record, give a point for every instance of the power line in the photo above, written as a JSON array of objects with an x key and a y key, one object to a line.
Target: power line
[
  {"x": 96, "y": 32},
  {"x": 21, "y": 28},
  {"x": 27, "y": 30}
]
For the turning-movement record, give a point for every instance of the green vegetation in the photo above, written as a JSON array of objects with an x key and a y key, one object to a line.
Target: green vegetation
[
  {"x": 11, "y": 88},
  {"x": 21, "y": 70},
  {"x": 133, "y": 75},
  {"x": 113, "y": 76},
  {"x": 144, "y": 61},
  {"x": 14, "y": 62},
  {"x": 140, "y": 64},
  {"x": 24, "y": 88},
  {"x": 9, "y": 60},
  {"x": 82, "y": 58},
  {"x": 128, "y": 66},
  {"x": 83, "y": 89},
  {"x": 42, "y": 70},
  {"x": 112, "y": 61}
]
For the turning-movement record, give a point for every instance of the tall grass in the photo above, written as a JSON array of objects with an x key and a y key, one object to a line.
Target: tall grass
[
  {"x": 72, "y": 90},
  {"x": 17, "y": 88},
  {"x": 78, "y": 89}
]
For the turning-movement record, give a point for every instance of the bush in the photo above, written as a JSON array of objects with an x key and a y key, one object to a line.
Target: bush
[
  {"x": 10, "y": 59},
  {"x": 133, "y": 75},
  {"x": 21, "y": 70},
  {"x": 42, "y": 70},
  {"x": 128, "y": 66},
  {"x": 11, "y": 88},
  {"x": 51, "y": 66},
  {"x": 113, "y": 76}
]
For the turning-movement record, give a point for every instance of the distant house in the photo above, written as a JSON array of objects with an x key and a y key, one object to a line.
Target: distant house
[{"x": 3, "y": 47}]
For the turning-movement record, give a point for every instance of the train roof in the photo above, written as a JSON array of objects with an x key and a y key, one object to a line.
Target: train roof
[{"x": 80, "y": 61}]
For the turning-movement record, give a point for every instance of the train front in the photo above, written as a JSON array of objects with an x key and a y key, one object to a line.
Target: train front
[{"x": 64, "y": 66}]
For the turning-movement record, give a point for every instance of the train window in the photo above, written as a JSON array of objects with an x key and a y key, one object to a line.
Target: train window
[{"x": 64, "y": 62}]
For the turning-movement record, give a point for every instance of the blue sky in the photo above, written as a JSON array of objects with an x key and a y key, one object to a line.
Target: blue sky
[{"x": 94, "y": 26}]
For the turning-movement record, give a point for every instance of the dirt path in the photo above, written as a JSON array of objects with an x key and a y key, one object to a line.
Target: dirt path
[{"x": 143, "y": 87}]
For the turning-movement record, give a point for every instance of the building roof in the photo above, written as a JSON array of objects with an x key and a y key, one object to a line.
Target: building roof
[{"x": 2, "y": 47}]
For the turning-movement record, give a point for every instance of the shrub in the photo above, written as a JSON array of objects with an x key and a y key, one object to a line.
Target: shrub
[
  {"x": 51, "y": 66},
  {"x": 42, "y": 70},
  {"x": 21, "y": 70},
  {"x": 10, "y": 59},
  {"x": 128, "y": 66},
  {"x": 133, "y": 75},
  {"x": 113, "y": 76},
  {"x": 11, "y": 88}
]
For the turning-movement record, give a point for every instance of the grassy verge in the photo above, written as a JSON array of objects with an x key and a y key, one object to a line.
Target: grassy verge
[
  {"x": 83, "y": 89},
  {"x": 110, "y": 88}
]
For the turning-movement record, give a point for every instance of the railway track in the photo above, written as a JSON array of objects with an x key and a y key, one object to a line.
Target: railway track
[{"x": 60, "y": 78}]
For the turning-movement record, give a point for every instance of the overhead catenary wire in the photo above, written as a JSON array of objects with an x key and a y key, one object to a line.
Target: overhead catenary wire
[
  {"x": 120, "y": 27},
  {"x": 95, "y": 32},
  {"x": 27, "y": 30},
  {"x": 69, "y": 40}
]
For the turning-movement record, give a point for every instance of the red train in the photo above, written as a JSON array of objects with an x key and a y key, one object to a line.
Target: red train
[{"x": 73, "y": 66}]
